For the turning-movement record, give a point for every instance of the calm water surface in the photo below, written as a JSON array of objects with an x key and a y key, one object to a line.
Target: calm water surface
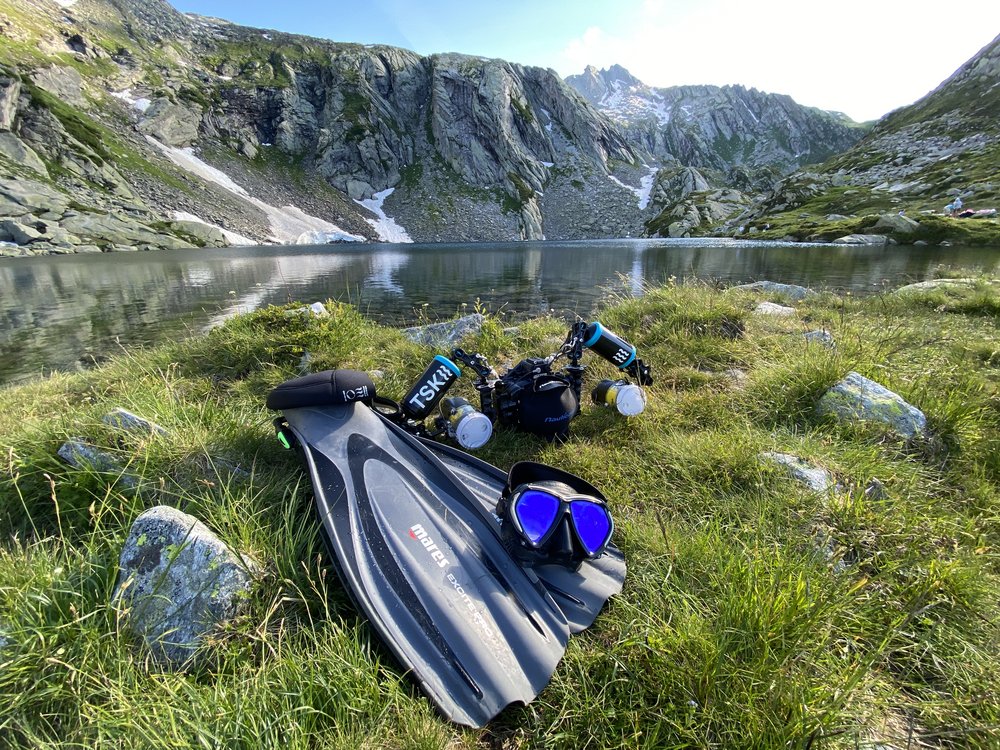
[{"x": 61, "y": 313}]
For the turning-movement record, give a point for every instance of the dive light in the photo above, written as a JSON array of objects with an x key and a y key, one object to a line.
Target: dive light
[
  {"x": 628, "y": 399},
  {"x": 469, "y": 426}
]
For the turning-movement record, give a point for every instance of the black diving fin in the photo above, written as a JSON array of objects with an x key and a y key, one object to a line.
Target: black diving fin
[{"x": 415, "y": 550}]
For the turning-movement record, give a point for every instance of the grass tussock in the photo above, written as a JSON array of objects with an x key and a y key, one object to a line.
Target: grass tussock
[{"x": 756, "y": 614}]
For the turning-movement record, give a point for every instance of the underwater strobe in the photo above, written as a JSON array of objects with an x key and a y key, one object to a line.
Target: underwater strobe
[{"x": 628, "y": 399}]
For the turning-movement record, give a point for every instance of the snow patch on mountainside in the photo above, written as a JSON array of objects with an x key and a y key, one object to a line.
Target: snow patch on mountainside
[
  {"x": 626, "y": 103},
  {"x": 386, "y": 227},
  {"x": 290, "y": 225},
  {"x": 140, "y": 104},
  {"x": 645, "y": 188}
]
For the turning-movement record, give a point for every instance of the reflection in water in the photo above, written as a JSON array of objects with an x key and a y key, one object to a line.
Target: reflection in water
[{"x": 58, "y": 312}]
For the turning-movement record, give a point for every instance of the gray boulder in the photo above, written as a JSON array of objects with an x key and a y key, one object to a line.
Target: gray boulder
[
  {"x": 897, "y": 223},
  {"x": 792, "y": 291},
  {"x": 171, "y": 124},
  {"x": 122, "y": 419},
  {"x": 203, "y": 233},
  {"x": 62, "y": 82},
  {"x": 176, "y": 582},
  {"x": 81, "y": 455},
  {"x": 675, "y": 183},
  {"x": 119, "y": 231},
  {"x": 22, "y": 234},
  {"x": 18, "y": 152},
  {"x": 940, "y": 285},
  {"x": 862, "y": 239},
  {"x": 20, "y": 197},
  {"x": 858, "y": 398},
  {"x": 447, "y": 334},
  {"x": 815, "y": 478},
  {"x": 10, "y": 90}
]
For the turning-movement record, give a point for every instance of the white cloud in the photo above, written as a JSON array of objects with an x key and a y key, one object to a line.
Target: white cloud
[{"x": 863, "y": 57}]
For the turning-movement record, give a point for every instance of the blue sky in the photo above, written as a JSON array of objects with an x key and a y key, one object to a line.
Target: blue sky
[{"x": 862, "y": 57}]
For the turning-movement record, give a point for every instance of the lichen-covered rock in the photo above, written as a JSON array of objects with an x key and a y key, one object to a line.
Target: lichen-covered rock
[
  {"x": 61, "y": 81},
  {"x": 447, "y": 334},
  {"x": 176, "y": 582},
  {"x": 22, "y": 234},
  {"x": 206, "y": 234},
  {"x": 858, "y": 398},
  {"x": 119, "y": 230},
  {"x": 815, "y": 478},
  {"x": 10, "y": 90},
  {"x": 20, "y": 197},
  {"x": 941, "y": 285},
  {"x": 792, "y": 291}
]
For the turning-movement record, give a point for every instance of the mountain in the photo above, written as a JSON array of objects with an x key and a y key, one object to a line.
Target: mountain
[
  {"x": 916, "y": 160},
  {"x": 131, "y": 125},
  {"x": 716, "y": 127}
]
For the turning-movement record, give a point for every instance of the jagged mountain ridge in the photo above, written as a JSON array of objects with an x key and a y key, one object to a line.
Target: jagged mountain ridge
[
  {"x": 716, "y": 127},
  {"x": 916, "y": 159},
  {"x": 118, "y": 117}
]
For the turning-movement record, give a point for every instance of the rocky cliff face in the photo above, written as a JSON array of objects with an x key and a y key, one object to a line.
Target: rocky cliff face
[
  {"x": 716, "y": 128},
  {"x": 173, "y": 129}
]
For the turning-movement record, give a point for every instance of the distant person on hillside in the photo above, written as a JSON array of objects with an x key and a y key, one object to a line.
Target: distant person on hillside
[{"x": 954, "y": 207}]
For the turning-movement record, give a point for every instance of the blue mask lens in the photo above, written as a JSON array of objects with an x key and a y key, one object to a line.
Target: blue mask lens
[
  {"x": 593, "y": 524},
  {"x": 536, "y": 512}
]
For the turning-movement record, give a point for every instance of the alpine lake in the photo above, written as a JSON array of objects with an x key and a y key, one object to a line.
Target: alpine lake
[{"x": 61, "y": 313}]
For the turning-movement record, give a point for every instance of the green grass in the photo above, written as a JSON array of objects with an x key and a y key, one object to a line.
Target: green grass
[{"x": 755, "y": 613}]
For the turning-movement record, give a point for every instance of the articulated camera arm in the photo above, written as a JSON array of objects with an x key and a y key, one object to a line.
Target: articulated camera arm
[{"x": 481, "y": 366}]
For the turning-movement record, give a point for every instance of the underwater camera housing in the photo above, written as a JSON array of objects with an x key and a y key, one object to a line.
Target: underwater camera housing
[{"x": 535, "y": 395}]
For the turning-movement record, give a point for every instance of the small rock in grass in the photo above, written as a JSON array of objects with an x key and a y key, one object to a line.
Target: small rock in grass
[
  {"x": 824, "y": 338},
  {"x": 176, "y": 582},
  {"x": 316, "y": 309},
  {"x": 858, "y": 398},
  {"x": 770, "y": 308},
  {"x": 81, "y": 455},
  {"x": 122, "y": 419},
  {"x": 738, "y": 376},
  {"x": 813, "y": 477}
]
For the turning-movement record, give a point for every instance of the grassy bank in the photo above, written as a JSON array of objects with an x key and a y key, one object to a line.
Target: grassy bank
[{"x": 755, "y": 613}]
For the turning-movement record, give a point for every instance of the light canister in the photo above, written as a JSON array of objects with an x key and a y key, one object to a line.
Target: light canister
[{"x": 430, "y": 387}]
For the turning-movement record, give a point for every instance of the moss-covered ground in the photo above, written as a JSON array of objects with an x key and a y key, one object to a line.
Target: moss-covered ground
[{"x": 755, "y": 613}]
